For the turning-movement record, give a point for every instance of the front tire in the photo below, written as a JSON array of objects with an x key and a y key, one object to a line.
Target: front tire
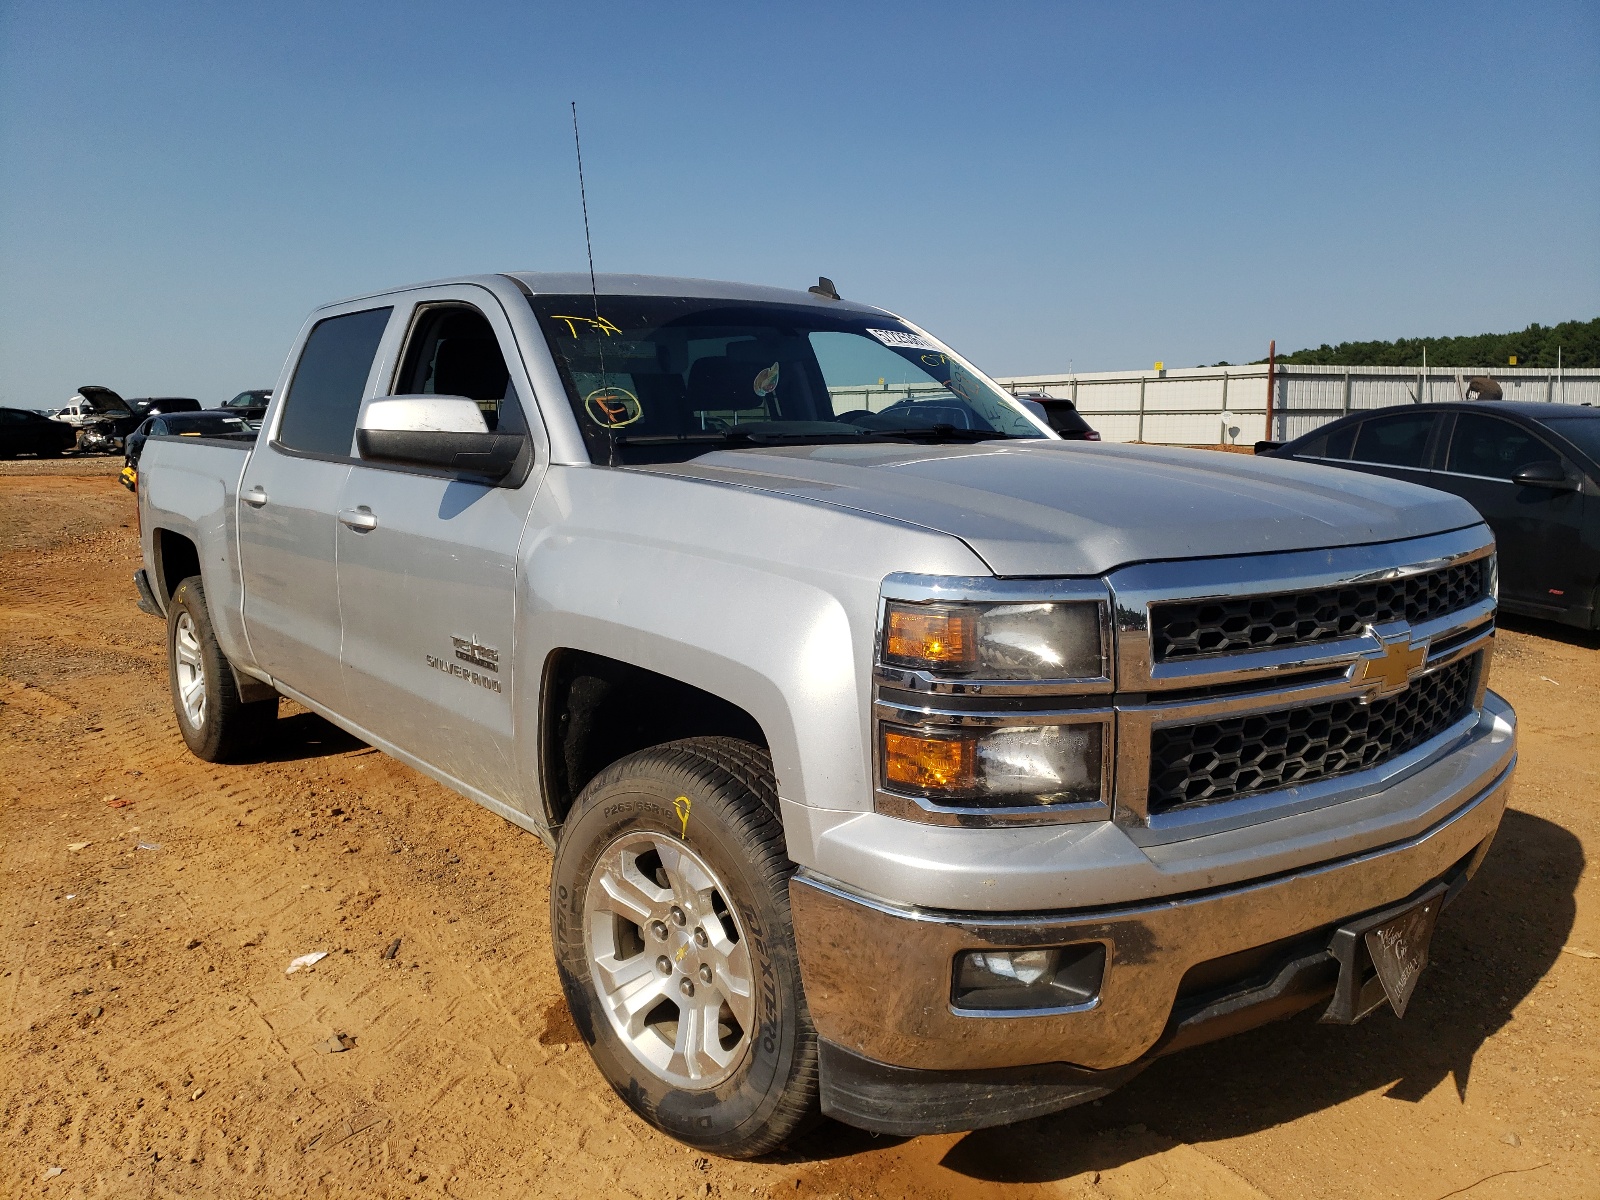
[
  {"x": 669, "y": 907},
  {"x": 216, "y": 725}
]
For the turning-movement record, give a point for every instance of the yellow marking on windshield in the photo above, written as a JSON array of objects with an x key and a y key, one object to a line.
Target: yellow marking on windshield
[{"x": 597, "y": 323}]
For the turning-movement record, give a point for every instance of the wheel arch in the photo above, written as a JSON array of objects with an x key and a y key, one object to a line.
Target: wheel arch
[
  {"x": 176, "y": 558},
  {"x": 595, "y": 709}
]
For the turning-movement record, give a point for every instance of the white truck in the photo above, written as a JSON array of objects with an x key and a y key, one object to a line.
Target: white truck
[{"x": 902, "y": 762}]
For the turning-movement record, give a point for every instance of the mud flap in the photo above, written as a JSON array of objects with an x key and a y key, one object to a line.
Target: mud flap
[
  {"x": 1381, "y": 955},
  {"x": 147, "y": 596}
]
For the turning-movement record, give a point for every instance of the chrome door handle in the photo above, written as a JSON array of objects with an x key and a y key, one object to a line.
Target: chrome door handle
[
  {"x": 255, "y": 497},
  {"x": 360, "y": 519}
]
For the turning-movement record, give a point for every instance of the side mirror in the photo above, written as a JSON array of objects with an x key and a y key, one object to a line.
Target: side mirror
[
  {"x": 436, "y": 431},
  {"x": 1267, "y": 447},
  {"x": 1549, "y": 474}
]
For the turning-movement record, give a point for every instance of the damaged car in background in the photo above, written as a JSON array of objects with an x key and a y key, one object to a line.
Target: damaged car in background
[{"x": 105, "y": 419}]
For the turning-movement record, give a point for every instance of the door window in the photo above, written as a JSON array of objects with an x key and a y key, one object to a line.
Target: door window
[
  {"x": 1398, "y": 441},
  {"x": 319, "y": 411},
  {"x": 452, "y": 351},
  {"x": 1493, "y": 448}
]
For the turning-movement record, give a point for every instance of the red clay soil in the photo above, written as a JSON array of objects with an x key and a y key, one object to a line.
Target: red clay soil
[{"x": 154, "y": 1045}]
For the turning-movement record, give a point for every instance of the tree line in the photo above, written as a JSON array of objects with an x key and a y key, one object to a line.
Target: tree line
[{"x": 1535, "y": 346}]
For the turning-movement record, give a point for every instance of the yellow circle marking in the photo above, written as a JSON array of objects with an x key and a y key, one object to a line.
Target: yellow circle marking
[{"x": 613, "y": 407}]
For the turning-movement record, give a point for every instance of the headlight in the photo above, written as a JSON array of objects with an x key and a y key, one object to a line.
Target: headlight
[
  {"x": 1052, "y": 640},
  {"x": 1005, "y": 767}
]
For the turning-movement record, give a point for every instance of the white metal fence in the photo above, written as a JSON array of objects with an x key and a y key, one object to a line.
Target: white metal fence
[{"x": 1208, "y": 405}]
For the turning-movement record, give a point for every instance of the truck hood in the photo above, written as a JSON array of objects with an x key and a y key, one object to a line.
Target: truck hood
[{"x": 1075, "y": 508}]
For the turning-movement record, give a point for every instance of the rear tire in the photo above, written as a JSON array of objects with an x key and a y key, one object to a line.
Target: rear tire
[
  {"x": 674, "y": 857},
  {"x": 216, "y": 725}
]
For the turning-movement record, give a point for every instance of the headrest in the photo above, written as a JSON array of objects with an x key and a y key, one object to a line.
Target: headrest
[
  {"x": 471, "y": 367},
  {"x": 718, "y": 383}
]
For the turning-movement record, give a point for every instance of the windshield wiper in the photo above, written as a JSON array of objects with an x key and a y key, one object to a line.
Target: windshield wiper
[
  {"x": 737, "y": 436},
  {"x": 939, "y": 433}
]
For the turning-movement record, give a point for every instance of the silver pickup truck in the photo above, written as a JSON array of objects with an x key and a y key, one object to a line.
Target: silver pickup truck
[{"x": 902, "y": 762}]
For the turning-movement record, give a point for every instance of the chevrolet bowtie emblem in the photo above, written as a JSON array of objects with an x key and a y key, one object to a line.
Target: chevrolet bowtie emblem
[{"x": 1390, "y": 670}]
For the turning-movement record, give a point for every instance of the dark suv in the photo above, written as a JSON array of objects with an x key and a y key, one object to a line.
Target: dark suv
[
  {"x": 250, "y": 405},
  {"x": 1061, "y": 415}
]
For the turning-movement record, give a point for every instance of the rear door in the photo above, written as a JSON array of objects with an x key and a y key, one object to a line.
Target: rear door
[
  {"x": 428, "y": 560},
  {"x": 1398, "y": 445},
  {"x": 287, "y": 500},
  {"x": 1544, "y": 564}
]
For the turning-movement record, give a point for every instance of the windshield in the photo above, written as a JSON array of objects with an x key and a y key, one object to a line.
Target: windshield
[
  {"x": 1582, "y": 432},
  {"x": 247, "y": 400},
  {"x": 662, "y": 379}
]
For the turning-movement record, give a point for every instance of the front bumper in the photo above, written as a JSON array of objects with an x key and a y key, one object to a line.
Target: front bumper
[{"x": 878, "y": 974}]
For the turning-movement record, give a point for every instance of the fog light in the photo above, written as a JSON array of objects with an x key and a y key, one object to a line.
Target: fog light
[{"x": 1053, "y": 977}]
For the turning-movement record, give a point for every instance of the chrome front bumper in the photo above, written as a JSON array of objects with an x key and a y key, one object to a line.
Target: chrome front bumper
[{"x": 878, "y": 974}]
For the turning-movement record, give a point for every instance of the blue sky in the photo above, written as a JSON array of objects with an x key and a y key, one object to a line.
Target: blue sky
[{"x": 1040, "y": 184}]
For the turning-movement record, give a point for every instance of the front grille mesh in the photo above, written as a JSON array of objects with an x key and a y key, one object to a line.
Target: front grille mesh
[
  {"x": 1222, "y": 760},
  {"x": 1190, "y": 629}
]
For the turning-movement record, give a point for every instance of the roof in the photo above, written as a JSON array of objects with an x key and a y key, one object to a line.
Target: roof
[
  {"x": 674, "y": 285},
  {"x": 1532, "y": 409},
  {"x": 577, "y": 282}
]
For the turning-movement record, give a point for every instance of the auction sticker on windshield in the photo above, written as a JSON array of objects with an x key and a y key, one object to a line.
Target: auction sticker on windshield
[{"x": 900, "y": 339}]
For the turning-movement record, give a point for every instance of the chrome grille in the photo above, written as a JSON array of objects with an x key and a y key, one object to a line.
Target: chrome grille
[
  {"x": 1211, "y": 761},
  {"x": 1193, "y": 629}
]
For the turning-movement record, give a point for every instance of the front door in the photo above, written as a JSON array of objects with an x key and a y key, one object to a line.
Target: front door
[
  {"x": 287, "y": 500},
  {"x": 1544, "y": 564},
  {"x": 428, "y": 565}
]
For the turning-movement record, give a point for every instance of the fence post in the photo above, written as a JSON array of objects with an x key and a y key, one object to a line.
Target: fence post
[
  {"x": 1347, "y": 393},
  {"x": 1139, "y": 437}
]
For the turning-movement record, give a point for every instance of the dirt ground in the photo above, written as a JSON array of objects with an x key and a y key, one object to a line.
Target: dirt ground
[{"x": 153, "y": 1044}]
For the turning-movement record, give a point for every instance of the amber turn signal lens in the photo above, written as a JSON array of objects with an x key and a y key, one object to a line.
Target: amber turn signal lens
[
  {"x": 930, "y": 637},
  {"x": 929, "y": 764}
]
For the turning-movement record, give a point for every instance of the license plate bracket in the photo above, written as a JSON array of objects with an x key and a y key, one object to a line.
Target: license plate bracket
[{"x": 1382, "y": 955}]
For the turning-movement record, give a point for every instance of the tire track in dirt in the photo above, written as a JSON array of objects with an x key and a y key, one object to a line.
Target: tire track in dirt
[{"x": 467, "y": 1079}]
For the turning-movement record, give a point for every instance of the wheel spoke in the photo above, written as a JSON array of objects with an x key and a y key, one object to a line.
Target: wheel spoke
[
  {"x": 691, "y": 886},
  {"x": 731, "y": 979},
  {"x": 615, "y": 974},
  {"x": 635, "y": 1002},
  {"x": 630, "y": 897},
  {"x": 687, "y": 1049}
]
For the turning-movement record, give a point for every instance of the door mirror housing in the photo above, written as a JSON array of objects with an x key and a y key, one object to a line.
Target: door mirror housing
[
  {"x": 1550, "y": 474},
  {"x": 446, "y": 432}
]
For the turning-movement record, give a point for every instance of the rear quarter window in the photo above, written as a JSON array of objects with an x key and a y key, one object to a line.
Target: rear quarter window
[{"x": 324, "y": 397}]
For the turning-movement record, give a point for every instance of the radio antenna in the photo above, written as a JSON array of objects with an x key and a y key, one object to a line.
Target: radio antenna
[{"x": 594, "y": 294}]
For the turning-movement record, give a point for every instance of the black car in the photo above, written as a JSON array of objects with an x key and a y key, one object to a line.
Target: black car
[
  {"x": 1531, "y": 469},
  {"x": 251, "y": 405},
  {"x": 24, "y": 432},
  {"x": 212, "y": 423},
  {"x": 1061, "y": 415}
]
